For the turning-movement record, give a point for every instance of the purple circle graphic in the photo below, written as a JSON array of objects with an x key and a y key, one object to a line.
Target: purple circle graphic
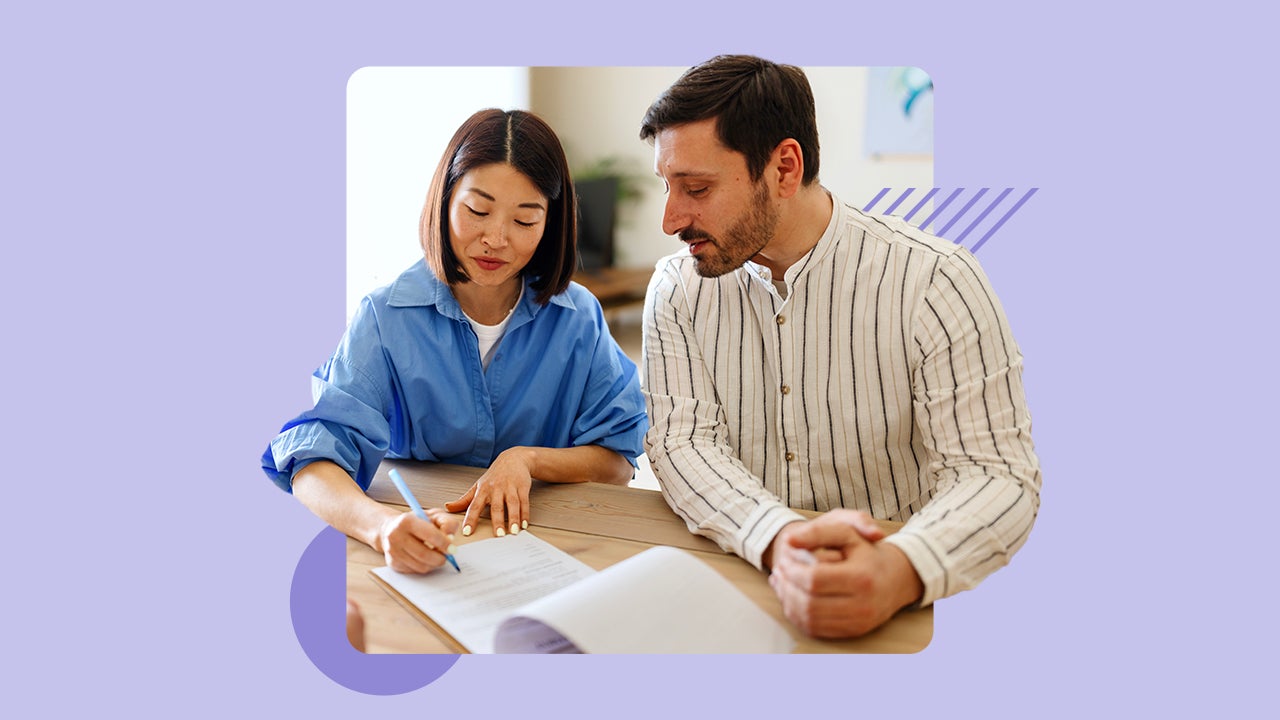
[{"x": 317, "y": 601}]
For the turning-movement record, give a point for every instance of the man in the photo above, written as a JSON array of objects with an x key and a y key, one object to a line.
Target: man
[{"x": 801, "y": 354}]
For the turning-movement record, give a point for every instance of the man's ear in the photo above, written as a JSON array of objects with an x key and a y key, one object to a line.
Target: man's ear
[{"x": 788, "y": 162}]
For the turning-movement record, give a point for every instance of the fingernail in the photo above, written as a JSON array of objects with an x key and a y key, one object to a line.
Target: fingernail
[
  {"x": 524, "y": 524},
  {"x": 500, "y": 532},
  {"x": 515, "y": 529},
  {"x": 451, "y": 549},
  {"x": 450, "y": 536},
  {"x": 466, "y": 530}
]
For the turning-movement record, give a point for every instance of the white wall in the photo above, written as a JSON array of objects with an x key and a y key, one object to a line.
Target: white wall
[{"x": 400, "y": 119}]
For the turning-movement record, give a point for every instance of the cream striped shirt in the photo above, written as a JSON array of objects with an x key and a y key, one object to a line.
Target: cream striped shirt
[{"x": 887, "y": 380}]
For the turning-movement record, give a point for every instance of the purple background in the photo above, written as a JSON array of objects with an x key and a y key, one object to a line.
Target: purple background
[{"x": 173, "y": 206}]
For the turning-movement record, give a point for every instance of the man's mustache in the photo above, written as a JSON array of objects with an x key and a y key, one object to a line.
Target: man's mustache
[{"x": 692, "y": 235}]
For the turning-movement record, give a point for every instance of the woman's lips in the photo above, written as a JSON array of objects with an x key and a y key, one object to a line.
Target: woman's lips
[{"x": 489, "y": 263}]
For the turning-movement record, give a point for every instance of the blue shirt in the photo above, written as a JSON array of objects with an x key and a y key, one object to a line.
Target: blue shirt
[{"x": 407, "y": 382}]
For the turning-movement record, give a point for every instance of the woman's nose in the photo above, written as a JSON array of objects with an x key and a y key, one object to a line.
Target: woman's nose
[{"x": 495, "y": 234}]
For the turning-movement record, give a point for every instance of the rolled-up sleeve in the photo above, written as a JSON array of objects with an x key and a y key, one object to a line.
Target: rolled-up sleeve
[{"x": 348, "y": 425}]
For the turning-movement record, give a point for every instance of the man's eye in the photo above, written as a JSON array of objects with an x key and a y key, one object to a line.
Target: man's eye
[{"x": 695, "y": 192}]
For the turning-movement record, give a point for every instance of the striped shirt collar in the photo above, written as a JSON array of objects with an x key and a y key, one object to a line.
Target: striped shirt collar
[{"x": 762, "y": 275}]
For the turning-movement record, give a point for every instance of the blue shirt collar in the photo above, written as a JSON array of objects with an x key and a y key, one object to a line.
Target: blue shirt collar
[{"x": 419, "y": 287}]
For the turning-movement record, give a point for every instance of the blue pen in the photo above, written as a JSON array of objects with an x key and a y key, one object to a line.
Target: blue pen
[{"x": 417, "y": 509}]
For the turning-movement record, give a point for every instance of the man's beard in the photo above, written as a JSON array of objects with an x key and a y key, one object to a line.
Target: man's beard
[{"x": 741, "y": 242}]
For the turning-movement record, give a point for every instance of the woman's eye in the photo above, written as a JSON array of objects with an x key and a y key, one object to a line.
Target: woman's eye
[
  {"x": 476, "y": 212},
  {"x": 525, "y": 224}
]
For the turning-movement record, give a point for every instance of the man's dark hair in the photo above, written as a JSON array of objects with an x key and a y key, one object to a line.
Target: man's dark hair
[
  {"x": 525, "y": 142},
  {"x": 756, "y": 103}
]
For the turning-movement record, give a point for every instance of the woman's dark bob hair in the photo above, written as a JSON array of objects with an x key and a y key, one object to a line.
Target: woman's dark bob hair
[{"x": 525, "y": 142}]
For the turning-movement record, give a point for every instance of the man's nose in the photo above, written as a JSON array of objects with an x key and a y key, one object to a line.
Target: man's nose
[{"x": 674, "y": 217}]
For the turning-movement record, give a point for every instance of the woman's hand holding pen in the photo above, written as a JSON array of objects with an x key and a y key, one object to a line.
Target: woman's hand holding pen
[
  {"x": 413, "y": 545},
  {"x": 408, "y": 542},
  {"x": 504, "y": 489}
]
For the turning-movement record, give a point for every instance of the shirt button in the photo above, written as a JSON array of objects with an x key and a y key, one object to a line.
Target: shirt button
[
  {"x": 791, "y": 456},
  {"x": 786, "y": 389},
  {"x": 782, "y": 319}
]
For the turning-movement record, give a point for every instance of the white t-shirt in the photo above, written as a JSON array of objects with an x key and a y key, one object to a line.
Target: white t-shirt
[{"x": 489, "y": 335}]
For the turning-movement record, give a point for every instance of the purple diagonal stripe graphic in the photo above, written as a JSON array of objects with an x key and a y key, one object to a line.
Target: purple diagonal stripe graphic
[
  {"x": 951, "y": 197},
  {"x": 983, "y": 216},
  {"x": 963, "y": 210},
  {"x": 1007, "y": 215},
  {"x": 889, "y": 210},
  {"x": 920, "y": 204},
  {"x": 875, "y": 200},
  {"x": 938, "y": 210}
]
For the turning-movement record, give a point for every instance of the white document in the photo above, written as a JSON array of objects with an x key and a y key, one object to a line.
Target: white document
[
  {"x": 520, "y": 594},
  {"x": 499, "y": 575}
]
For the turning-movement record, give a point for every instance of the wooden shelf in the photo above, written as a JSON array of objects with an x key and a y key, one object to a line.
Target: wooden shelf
[{"x": 616, "y": 287}]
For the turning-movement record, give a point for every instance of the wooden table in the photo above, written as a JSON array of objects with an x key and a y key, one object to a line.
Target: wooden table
[{"x": 598, "y": 524}]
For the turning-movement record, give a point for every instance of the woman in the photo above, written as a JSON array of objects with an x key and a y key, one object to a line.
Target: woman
[{"x": 483, "y": 355}]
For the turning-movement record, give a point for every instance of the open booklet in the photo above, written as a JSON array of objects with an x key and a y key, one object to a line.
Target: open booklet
[{"x": 520, "y": 594}]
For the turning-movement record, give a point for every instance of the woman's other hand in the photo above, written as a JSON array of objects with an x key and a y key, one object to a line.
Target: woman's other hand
[{"x": 504, "y": 489}]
